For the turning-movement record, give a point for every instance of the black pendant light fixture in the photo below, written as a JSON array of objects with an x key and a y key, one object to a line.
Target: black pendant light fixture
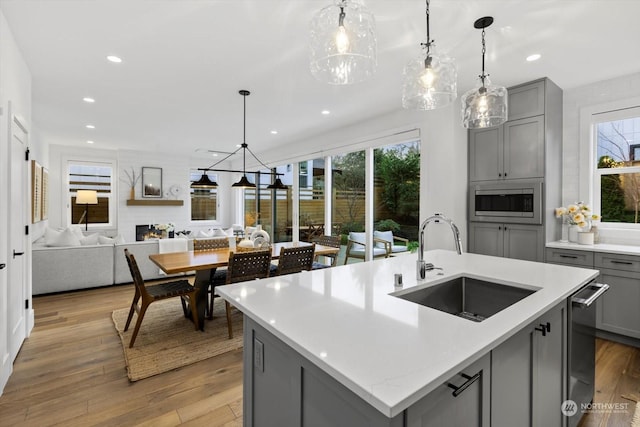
[{"x": 205, "y": 183}]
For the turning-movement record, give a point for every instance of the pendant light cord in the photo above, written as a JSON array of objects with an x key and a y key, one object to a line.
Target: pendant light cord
[
  {"x": 484, "y": 50},
  {"x": 427, "y": 45}
]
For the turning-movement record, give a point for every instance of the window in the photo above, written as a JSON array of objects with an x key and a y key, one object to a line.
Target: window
[
  {"x": 204, "y": 202},
  {"x": 397, "y": 189},
  {"x": 349, "y": 191},
  {"x": 91, "y": 176},
  {"x": 617, "y": 166},
  {"x": 270, "y": 208}
]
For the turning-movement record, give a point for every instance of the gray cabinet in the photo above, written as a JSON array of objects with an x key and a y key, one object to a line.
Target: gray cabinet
[
  {"x": 511, "y": 151},
  {"x": 527, "y": 100},
  {"x": 617, "y": 310},
  {"x": 518, "y": 241},
  {"x": 569, "y": 257},
  {"x": 468, "y": 404},
  {"x": 532, "y": 362}
]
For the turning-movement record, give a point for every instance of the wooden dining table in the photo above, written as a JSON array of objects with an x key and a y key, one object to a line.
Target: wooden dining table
[{"x": 204, "y": 264}]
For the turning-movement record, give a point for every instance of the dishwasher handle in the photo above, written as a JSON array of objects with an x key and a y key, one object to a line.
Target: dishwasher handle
[{"x": 599, "y": 289}]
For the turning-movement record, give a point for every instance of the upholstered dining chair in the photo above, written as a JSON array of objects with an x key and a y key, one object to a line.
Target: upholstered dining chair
[
  {"x": 295, "y": 260},
  {"x": 331, "y": 241},
  {"x": 211, "y": 245},
  {"x": 149, "y": 294},
  {"x": 245, "y": 266}
]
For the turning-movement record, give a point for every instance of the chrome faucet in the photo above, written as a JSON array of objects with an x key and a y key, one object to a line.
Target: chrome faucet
[{"x": 421, "y": 266}]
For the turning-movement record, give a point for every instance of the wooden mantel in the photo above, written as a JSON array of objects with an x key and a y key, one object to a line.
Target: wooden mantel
[{"x": 154, "y": 202}]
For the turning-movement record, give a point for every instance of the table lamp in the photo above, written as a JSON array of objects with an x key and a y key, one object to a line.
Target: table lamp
[{"x": 86, "y": 198}]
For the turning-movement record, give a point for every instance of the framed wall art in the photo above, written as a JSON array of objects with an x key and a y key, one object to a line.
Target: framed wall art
[
  {"x": 151, "y": 182},
  {"x": 36, "y": 192}
]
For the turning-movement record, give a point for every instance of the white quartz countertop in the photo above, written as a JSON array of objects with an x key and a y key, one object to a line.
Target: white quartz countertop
[
  {"x": 389, "y": 351},
  {"x": 598, "y": 247}
]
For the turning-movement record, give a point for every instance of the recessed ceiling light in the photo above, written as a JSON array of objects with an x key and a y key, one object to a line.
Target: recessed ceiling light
[
  {"x": 89, "y": 100},
  {"x": 325, "y": 112},
  {"x": 238, "y": 145},
  {"x": 90, "y": 126},
  {"x": 534, "y": 57},
  {"x": 115, "y": 59},
  {"x": 274, "y": 132},
  {"x": 89, "y": 142},
  {"x": 214, "y": 154}
]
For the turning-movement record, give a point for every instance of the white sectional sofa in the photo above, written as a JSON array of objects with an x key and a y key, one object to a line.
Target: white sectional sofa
[{"x": 58, "y": 269}]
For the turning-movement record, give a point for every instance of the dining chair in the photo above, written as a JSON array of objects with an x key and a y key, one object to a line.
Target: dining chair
[
  {"x": 331, "y": 241},
  {"x": 245, "y": 266},
  {"x": 210, "y": 245},
  {"x": 149, "y": 294},
  {"x": 295, "y": 260}
]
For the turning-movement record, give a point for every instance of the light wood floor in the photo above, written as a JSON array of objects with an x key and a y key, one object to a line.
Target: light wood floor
[{"x": 71, "y": 372}]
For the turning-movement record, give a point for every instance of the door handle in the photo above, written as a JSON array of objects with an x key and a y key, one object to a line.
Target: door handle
[
  {"x": 3, "y": 265},
  {"x": 15, "y": 254}
]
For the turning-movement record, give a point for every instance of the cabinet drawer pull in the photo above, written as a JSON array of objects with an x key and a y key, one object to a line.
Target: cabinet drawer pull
[
  {"x": 544, "y": 328},
  {"x": 613, "y": 261},
  {"x": 568, "y": 256},
  {"x": 470, "y": 380},
  {"x": 3, "y": 265}
]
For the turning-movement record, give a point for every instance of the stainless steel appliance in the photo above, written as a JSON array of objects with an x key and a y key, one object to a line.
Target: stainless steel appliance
[
  {"x": 582, "y": 346},
  {"x": 498, "y": 201}
]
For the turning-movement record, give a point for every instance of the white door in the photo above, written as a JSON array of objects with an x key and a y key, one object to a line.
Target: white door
[{"x": 16, "y": 263}]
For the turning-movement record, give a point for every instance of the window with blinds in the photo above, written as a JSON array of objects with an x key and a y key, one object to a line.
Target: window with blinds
[{"x": 91, "y": 176}]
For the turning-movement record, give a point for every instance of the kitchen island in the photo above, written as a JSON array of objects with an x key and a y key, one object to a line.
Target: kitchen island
[{"x": 322, "y": 343}]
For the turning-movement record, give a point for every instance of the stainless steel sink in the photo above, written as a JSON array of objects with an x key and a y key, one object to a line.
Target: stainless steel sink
[{"x": 466, "y": 297}]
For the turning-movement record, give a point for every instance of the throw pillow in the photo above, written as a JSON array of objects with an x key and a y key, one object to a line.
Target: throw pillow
[
  {"x": 119, "y": 239},
  {"x": 218, "y": 232},
  {"x": 77, "y": 230},
  {"x": 103, "y": 240},
  {"x": 91, "y": 239},
  {"x": 65, "y": 238},
  {"x": 50, "y": 235}
]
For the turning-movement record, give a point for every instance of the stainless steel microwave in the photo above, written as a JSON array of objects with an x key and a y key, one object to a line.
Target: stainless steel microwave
[{"x": 518, "y": 201}]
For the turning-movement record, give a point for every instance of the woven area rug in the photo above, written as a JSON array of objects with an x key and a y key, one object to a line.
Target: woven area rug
[{"x": 167, "y": 340}]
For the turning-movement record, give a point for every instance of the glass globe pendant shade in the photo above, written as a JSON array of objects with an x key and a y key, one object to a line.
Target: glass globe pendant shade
[
  {"x": 430, "y": 82},
  {"x": 343, "y": 43},
  {"x": 484, "y": 106}
]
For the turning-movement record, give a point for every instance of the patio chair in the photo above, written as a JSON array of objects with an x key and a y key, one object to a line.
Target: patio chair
[
  {"x": 388, "y": 236},
  {"x": 357, "y": 248},
  {"x": 179, "y": 288}
]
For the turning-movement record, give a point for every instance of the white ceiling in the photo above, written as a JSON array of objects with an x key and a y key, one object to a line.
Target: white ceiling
[{"x": 185, "y": 60}]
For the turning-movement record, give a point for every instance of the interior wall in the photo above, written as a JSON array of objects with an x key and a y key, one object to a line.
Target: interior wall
[{"x": 15, "y": 87}]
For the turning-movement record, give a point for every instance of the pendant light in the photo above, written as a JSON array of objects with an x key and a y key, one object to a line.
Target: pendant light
[
  {"x": 343, "y": 43},
  {"x": 204, "y": 183},
  {"x": 485, "y": 105},
  {"x": 430, "y": 80},
  {"x": 244, "y": 182}
]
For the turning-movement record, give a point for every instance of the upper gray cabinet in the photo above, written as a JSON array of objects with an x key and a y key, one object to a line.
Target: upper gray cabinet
[
  {"x": 526, "y": 100},
  {"x": 516, "y": 149}
]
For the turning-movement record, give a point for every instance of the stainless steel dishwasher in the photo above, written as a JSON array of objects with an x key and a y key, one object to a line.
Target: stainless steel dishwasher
[{"x": 582, "y": 346}]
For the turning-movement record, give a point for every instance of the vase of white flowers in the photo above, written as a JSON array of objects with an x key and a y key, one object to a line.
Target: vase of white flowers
[{"x": 577, "y": 217}]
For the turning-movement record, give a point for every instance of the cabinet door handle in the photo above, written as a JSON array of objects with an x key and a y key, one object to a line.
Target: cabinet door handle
[
  {"x": 470, "y": 380},
  {"x": 500, "y": 175},
  {"x": 15, "y": 254},
  {"x": 3, "y": 265},
  {"x": 568, "y": 256},
  {"x": 544, "y": 328},
  {"x": 613, "y": 261},
  {"x": 505, "y": 174}
]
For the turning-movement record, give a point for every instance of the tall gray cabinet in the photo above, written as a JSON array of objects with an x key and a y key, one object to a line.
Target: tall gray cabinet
[{"x": 528, "y": 146}]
